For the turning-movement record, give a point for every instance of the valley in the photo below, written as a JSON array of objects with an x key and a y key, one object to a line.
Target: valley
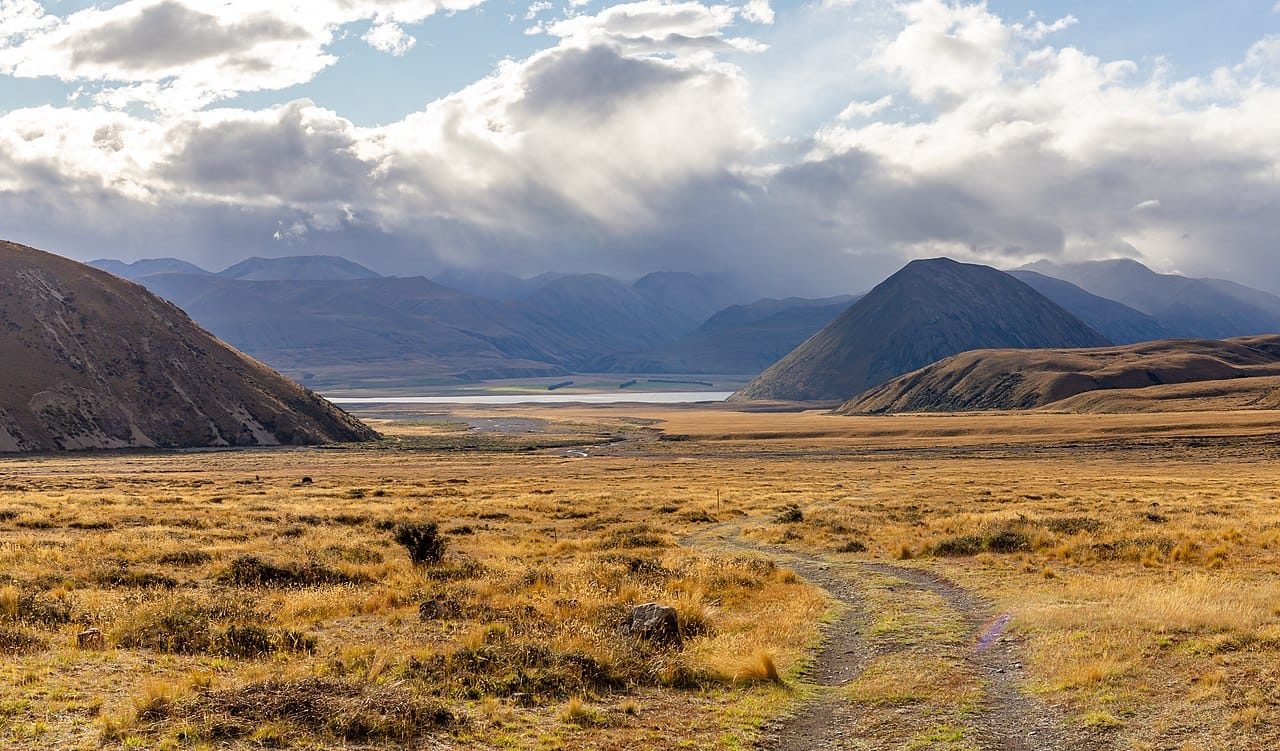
[{"x": 932, "y": 581}]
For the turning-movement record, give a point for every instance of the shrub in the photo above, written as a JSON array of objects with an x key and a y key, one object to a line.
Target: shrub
[
  {"x": 852, "y": 546},
  {"x": 250, "y": 640},
  {"x": 251, "y": 571},
  {"x": 123, "y": 577},
  {"x": 422, "y": 540},
  {"x": 15, "y": 642},
  {"x": 632, "y": 536},
  {"x": 790, "y": 514},
  {"x": 957, "y": 546},
  {"x": 350, "y": 710},
  {"x": 33, "y": 608},
  {"x": 185, "y": 558}
]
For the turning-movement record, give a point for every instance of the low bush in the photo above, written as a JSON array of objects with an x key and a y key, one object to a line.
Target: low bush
[
  {"x": 34, "y": 608},
  {"x": 251, "y": 571},
  {"x": 16, "y": 642},
  {"x": 348, "y": 710},
  {"x": 422, "y": 541}
]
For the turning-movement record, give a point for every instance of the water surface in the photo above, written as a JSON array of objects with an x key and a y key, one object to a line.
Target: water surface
[{"x": 622, "y": 397}]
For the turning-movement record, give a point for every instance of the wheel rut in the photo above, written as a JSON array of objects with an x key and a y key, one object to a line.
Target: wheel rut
[{"x": 1004, "y": 718}]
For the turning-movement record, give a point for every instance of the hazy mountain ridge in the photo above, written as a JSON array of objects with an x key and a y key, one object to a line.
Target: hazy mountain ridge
[
  {"x": 298, "y": 268},
  {"x": 740, "y": 339},
  {"x": 94, "y": 361},
  {"x": 413, "y": 324},
  {"x": 1185, "y": 307},
  {"x": 500, "y": 325},
  {"x": 1116, "y": 321},
  {"x": 147, "y": 267},
  {"x": 928, "y": 310}
]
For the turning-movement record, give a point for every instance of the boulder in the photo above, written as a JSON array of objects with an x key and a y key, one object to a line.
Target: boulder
[{"x": 653, "y": 622}]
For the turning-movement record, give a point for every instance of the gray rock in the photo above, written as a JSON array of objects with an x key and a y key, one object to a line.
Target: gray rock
[{"x": 653, "y": 622}]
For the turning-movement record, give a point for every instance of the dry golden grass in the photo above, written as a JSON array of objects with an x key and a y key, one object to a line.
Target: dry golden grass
[{"x": 1137, "y": 555}]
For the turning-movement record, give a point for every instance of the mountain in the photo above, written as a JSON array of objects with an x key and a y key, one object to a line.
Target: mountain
[
  {"x": 695, "y": 297},
  {"x": 146, "y": 267},
  {"x": 493, "y": 285},
  {"x": 928, "y": 310},
  {"x": 383, "y": 330},
  {"x": 93, "y": 361},
  {"x": 1185, "y": 307},
  {"x": 1117, "y": 322},
  {"x": 298, "y": 268},
  {"x": 1026, "y": 379},
  {"x": 741, "y": 339},
  {"x": 584, "y": 316}
]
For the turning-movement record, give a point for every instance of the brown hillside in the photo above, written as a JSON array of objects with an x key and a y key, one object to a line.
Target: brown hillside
[
  {"x": 90, "y": 361},
  {"x": 1028, "y": 379}
]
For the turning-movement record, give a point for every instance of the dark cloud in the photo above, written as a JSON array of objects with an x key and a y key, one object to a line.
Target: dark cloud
[{"x": 169, "y": 34}]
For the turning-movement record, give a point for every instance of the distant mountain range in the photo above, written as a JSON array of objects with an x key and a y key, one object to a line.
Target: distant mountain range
[
  {"x": 738, "y": 339},
  {"x": 293, "y": 268},
  {"x": 1010, "y": 379},
  {"x": 929, "y": 310},
  {"x": 365, "y": 329},
  {"x": 92, "y": 361},
  {"x": 1184, "y": 307},
  {"x": 335, "y": 322}
]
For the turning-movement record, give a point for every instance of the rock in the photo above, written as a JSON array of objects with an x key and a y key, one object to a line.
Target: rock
[
  {"x": 653, "y": 622},
  {"x": 435, "y": 610},
  {"x": 90, "y": 639}
]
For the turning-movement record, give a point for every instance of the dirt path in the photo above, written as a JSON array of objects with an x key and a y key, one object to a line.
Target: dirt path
[{"x": 1004, "y": 718}]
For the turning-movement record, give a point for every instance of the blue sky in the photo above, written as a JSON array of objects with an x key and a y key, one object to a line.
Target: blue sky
[{"x": 743, "y": 135}]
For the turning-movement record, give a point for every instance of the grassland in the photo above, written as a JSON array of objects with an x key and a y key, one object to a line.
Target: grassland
[{"x": 256, "y": 598}]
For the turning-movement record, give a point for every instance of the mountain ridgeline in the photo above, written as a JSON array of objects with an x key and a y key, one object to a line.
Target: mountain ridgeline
[
  {"x": 332, "y": 323},
  {"x": 929, "y": 310},
  {"x": 92, "y": 361}
]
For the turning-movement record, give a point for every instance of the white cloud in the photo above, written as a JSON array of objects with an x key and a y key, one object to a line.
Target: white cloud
[
  {"x": 1057, "y": 152},
  {"x": 629, "y": 146},
  {"x": 390, "y": 38},
  {"x": 180, "y": 55},
  {"x": 537, "y": 8},
  {"x": 857, "y": 110},
  {"x": 758, "y": 11},
  {"x": 660, "y": 26},
  {"x": 947, "y": 51}
]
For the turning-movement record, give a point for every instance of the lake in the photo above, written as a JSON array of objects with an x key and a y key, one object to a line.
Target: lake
[{"x": 643, "y": 397}]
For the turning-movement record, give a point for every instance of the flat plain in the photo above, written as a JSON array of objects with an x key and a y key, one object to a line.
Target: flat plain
[{"x": 995, "y": 581}]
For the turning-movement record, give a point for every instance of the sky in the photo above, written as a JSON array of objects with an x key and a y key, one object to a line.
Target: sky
[{"x": 804, "y": 147}]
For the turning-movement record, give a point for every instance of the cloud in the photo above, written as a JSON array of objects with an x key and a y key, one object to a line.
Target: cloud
[
  {"x": 389, "y": 38},
  {"x": 629, "y": 145},
  {"x": 658, "y": 26},
  {"x": 182, "y": 55},
  {"x": 758, "y": 11},
  {"x": 857, "y": 110}
]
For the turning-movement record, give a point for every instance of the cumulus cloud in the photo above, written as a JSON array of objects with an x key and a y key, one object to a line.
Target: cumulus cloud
[
  {"x": 758, "y": 11},
  {"x": 629, "y": 144},
  {"x": 857, "y": 110},
  {"x": 658, "y": 26},
  {"x": 584, "y": 140},
  {"x": 181, "y": 55},
  {"x": 390, "y": 38}
]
